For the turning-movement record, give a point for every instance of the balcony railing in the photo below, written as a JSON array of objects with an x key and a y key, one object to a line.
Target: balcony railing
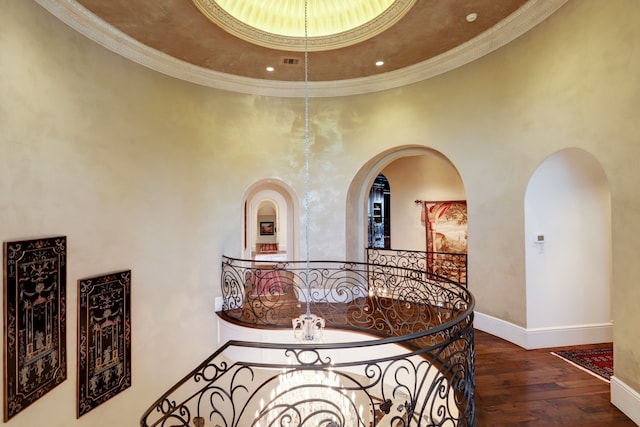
[
  {"x": 416, "y": 370},
  {"x": 439, "y": 264}
]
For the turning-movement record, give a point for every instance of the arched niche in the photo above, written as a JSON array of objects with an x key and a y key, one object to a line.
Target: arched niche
[
  {"x": 270, "y": 217},
  {"x": 568, "y": 248}
]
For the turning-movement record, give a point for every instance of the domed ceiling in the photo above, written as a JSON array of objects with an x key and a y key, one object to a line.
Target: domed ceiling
[
  {"x": 298, "y": 25},
  {"x": 257, "y": 46}
]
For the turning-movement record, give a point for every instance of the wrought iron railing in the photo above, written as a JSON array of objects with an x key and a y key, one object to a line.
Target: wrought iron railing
[
  {"x": 418, "y": 372},
  {"x": 442, "y": 264}
]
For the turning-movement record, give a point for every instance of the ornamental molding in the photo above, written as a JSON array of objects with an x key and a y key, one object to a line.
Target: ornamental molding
[{"x": 86, "y": 23}]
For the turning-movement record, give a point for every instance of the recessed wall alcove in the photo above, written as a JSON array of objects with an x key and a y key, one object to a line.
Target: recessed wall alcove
[{"x": 568, "y": 249}]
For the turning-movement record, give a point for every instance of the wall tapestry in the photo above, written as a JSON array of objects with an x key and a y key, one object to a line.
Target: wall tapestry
[
  {"x": 446, "y": 228},
  {"x": 104, "y": 338},
  {"x": 35, "y": 283}
]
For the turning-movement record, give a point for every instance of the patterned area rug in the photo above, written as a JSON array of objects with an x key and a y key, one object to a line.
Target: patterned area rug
[{"x": 596, "y": 361}]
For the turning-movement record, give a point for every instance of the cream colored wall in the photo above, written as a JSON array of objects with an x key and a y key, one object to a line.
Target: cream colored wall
[
  {"x": 145, "y": 172},
  {"x": 139, "y": 171},
  {"x": 421, "y": 177}
]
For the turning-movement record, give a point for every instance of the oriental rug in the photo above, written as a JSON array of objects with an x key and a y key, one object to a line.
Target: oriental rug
[{"x": 596, "y": 361}]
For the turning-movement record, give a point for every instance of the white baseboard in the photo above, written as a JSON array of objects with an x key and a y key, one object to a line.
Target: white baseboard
[
  {"x": 500, "y": 328},
  {"x": 544, "y": 337},
  {"x": 626, "y": 399}
]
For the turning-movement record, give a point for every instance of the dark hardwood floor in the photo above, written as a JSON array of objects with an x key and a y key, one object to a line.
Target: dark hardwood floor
[
  {"x": 514, "y": 387},
  {"x": 517, "y": 387}
]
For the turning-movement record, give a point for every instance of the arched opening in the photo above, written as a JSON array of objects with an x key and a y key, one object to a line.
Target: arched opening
[
  {"x": 267, "y": 221},
  {"x": 379, "y": 214},
  {"x": 270, "y": 221},
  {"x": 413, "y": 173},
  {"x": 568, "y": 249}
]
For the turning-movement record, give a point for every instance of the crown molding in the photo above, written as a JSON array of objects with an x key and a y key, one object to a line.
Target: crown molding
[{"x": 92, "y": 27}]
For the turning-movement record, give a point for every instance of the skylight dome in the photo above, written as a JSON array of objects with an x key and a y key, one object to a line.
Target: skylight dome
[{"x": 279, "y": 24}]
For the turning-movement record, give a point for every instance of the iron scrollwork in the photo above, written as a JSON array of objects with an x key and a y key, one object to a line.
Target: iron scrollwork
[{"x": 419, "y": 372}]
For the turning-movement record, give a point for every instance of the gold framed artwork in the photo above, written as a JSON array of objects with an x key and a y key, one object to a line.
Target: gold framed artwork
[{"x": 35, "y": 357}]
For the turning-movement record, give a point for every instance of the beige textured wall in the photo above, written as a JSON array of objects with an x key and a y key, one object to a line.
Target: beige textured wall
[
  {"x": 422, "y": 177},
  {"x": 145, "y": 172}
]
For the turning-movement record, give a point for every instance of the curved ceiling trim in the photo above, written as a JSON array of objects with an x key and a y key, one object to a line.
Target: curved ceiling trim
[
  {"x": 382, "y": 15},
  {"x": 86, "y": 23}
]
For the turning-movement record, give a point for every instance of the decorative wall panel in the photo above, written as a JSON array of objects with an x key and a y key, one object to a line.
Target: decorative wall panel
[
  {"x": 104, "y": 338},
  {"x": 35, "y": 282}
]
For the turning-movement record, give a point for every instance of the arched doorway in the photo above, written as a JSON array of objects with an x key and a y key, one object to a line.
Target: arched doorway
[
  {"x": 568, "y": 249},
  {"x": 379, "y": 214},
  {"x": 414, "y": 173},
  {"x": 270, "y": 220}
]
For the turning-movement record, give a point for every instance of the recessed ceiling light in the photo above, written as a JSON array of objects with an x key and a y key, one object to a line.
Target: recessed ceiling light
[
  {"x": 270, "y": 69},
  {"x": 472, "y": 17},
  {"x": 379, "y": 63}
]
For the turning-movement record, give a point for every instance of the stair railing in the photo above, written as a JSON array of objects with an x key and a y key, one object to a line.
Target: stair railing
[{"x": 417, "y": 370}]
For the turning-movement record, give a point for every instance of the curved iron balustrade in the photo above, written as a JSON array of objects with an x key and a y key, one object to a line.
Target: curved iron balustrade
[
  {"x": 443, "y": 264},
  {"x": 418, "y": 371}
]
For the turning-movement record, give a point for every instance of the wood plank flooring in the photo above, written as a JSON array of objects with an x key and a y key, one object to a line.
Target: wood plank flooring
[
  {"x": 514, "y": 387},
  {"x": 517, "y": 387}
]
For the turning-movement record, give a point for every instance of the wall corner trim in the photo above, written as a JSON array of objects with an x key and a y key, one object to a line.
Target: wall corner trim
[{"x": 626, "y": 399}]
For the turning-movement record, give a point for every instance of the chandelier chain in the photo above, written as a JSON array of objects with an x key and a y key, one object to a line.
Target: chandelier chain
[{"x": 306, "y": 146}]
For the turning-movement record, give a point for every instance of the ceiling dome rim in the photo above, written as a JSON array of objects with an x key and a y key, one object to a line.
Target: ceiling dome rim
[
  {"x": 86, "y": 23},
  {"x": 385, "y": 20}
]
